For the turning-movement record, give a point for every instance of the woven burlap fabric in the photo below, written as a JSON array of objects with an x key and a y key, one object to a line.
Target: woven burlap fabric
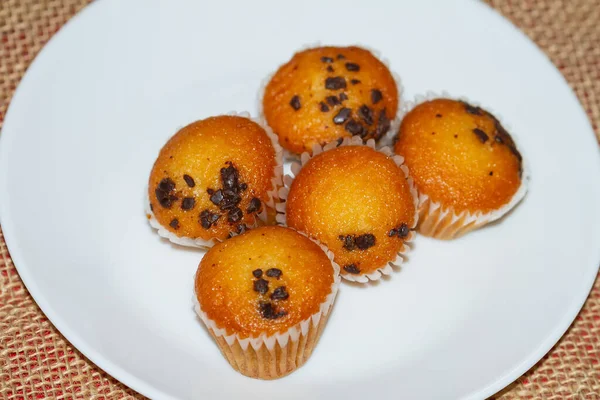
[{"x": 37, "y": 362}]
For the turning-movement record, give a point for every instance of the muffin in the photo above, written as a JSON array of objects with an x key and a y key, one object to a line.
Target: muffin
[
  {"x": 466, "y": 166},
  {"x": 213, "y": 179},
  {"x": 265, "y": 297},
  {"x": 357, "y": 201},
  {"x": 326, "y": 93}
]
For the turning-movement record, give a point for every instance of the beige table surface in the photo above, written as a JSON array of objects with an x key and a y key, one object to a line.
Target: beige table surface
[{"x": 37, "y": 362}]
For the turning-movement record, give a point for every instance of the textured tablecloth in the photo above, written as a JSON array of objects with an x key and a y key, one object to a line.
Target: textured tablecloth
[{"x": 37, "y": 362}]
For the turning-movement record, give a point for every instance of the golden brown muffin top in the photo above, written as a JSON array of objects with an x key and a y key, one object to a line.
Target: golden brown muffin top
[
  {"x": 460, "y": 155},
  {"x": 211, "y": 177},
  {"x": 266, "y": 280},
  {"x": 357, "y": 202},
  {"x": 327, "y": 93}
]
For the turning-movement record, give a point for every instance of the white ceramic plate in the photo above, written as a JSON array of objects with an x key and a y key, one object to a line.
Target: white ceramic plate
[{"x": 461, "y": 320}]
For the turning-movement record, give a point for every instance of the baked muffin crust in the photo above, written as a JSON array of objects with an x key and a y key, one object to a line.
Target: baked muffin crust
[
  {"x": 357, "y": 201},
  {"x": 212, "y": 178},
  {"x": 460, "y": 155},
  {"x": 327, "y": 93},
  {"x": 264, "y": 281}
]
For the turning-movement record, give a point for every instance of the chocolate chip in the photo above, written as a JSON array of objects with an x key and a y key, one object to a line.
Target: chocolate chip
[
  {"x": 365, "y": 241},
  {"x": 267, "y": 311},
  {"x": 230, "y": 199},
  {"x": 241, "y": 228},
  {"x": 295, "y": 103},
  {"x": 261, "y": 286},
  {"x": 207, "y": 218},
  {"x": 333, "y": 100},
  {"x": 257, "y": 273},
  {"x": 188, "y": 203},
  {"x": 481, "y": 135},
  {"x": 383, "y": 125},
  {"x": 326, "y": 59},
  {"x": 323, "y": 107},
  {"x": 361, "y": 242},
  {"x": 343, "y": 96},
  {"x": 189, "y": 180},
  {"x": 339, "y": 141},
  {"x": 402, "y": 231},
  {"x": 243, "y": 186},
  {"x": 280, "y": 293},
  {"x": 330, "y": 68},
  {"x": 352, "y": 67},
  {"x": 348, "y": 242},
  {"x": 230, "y": 177},
  {"x": 254, "y": 205},
  {"x": 366, "y": 114},
  {"x": 163, "y": 193},
  {"x": 210, "y": 191},
  {"x": 352, "y": 269},
  {"x": 166, "y": 185},
  {"x": 438, "y": 115},
  {"x": 164, "y": 199},
  {"x": 472, "y": 109},
  {"x": 174, "y": 223},
  {"x": 217, "y": 197},
  {"x": 274, "y": 273},
  {"x": 234, "y": 215},
  {"x": 342, "y": 116},
  {"x": 340, "y": 57},
  {"x": 354, "y": 81},
  {"x": 376, "y": 96},
  {"x": 491, "y": 173},
  {"x": 335, "y": 83},
  {"x": 355, "y": 128}
]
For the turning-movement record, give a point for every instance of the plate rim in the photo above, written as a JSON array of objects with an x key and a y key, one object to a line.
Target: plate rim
[{"x": 128, "y": 379}]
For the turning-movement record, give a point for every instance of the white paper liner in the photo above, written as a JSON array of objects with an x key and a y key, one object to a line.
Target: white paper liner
[
  {"x": 293, "y": 334},
  {"x": 444, "y": 223},
  {"x": 276, "y": 183},
  {"x": 389, "y": 267},
  {"x": 394, "y": 123}
]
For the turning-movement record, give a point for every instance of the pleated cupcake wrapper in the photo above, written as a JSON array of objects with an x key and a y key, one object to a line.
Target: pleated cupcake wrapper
[
  {"x": 385, "y": 269},
  {"x": 394, "y": 123},
  {"x": 273, "y": 356},
  {"x": 445, "y": 222},
  {"x": 276, "y": 183}
]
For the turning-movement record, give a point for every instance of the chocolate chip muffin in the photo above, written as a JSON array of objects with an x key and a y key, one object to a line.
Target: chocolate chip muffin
[
  {"x": 265, "y": 297},
  {"x": 327, "y": 93},
  {"x": 357, "y": 201},
  {"x": 465, "y": 165},
  {"x": 214, "y": 179}
]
